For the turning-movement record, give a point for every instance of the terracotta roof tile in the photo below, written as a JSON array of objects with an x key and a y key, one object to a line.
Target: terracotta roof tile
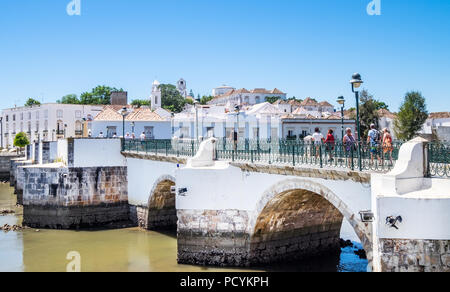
[
  {"x": 440, "y": 115},
  {"x": 112, "y": 113},
  {"x": 309, "y": 102}
]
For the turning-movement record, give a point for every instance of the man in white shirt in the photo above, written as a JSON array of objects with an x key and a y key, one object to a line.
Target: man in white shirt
[
  {"x": 318, "y": 140},
  {"x": 142, "y": 136}
]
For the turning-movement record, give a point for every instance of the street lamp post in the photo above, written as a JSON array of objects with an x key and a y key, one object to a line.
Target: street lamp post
[
  {"x": 356, "y": 83},
  {"x": 341, "y": 101},
  {"x": 124, "y": 113},
  {"x": 1, "y": 125},
  {"x": 196, "y": 102}
]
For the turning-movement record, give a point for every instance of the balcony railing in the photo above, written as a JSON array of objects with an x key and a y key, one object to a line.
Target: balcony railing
[{"x": 379, "y": 158}]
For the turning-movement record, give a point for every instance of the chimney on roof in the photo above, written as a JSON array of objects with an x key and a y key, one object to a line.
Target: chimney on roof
[{"x": 119, "y": 98}]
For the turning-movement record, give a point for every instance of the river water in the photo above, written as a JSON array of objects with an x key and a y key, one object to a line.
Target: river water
[{"x": 125, "y": 250}]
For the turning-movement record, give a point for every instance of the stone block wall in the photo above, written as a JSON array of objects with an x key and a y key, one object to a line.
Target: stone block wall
[
  {"x": 213, "y": 238},
  {"x": 399, "y": 255},
  {"x": 70, "y": 198},
  {"x": 5, "y": 165}
]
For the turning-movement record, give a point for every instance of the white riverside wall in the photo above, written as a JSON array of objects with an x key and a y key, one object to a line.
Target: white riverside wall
[{"x": 98, "y": 153}]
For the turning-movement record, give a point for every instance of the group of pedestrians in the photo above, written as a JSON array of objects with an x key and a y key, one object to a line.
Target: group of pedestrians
[
  {"x": 379, "y": 143},
  {"x": 128, "y": 136}
]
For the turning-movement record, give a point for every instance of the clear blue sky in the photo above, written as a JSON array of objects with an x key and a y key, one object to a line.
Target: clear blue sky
[{"x": 306, "y": 48}]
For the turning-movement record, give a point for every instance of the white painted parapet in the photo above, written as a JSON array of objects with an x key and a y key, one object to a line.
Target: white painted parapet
[{"x": 424, "y": 207}]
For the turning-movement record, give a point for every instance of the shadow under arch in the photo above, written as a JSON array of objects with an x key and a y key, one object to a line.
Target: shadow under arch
[
  {"x": 298, "y": 218},
  {"x": 162, "y": 213}
]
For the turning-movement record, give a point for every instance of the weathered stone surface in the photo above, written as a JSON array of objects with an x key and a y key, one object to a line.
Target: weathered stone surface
[
  {"x": 398, "y": 255},
  {"x": 75, "y": 197},
  {"x": 148, "y": 156},
  {"x": 5, "y": 165},
  {"x": 310, "y": 172},
  {"x": 294, "y": 225},
  {"x": 74, "y": 217}
]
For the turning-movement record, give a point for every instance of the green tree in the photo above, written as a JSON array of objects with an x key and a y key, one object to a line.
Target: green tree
[
  {"x": 367, "y": 112},
  {"x": 191, "y": 93},
  {"x": 171, "y": 98},
  {"x": 272, "y": 99},
  {"x": 69, "y": 99},
  {"x": 31, "y": 102},
  {"x": 140, "y": 102},
  {"x": 99, "y": 95},
  {"x": 411, "y": 117},
  {"x": 381, "y": 105},
  {"x": 205, "y": 99},
  {"x": 21, "y": 140}
]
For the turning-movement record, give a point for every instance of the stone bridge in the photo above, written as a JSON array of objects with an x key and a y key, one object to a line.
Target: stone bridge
[{"x": 248, "y": 214}]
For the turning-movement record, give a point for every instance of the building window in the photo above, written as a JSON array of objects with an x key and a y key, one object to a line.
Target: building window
[
  {"x": 29, "y": 115},
  {"x": 21, "y": 127},
  {"x": 60, "y": 127},
  {"x": 7, "y": 118},
  {"x": 21, "y": 116},
  {"x": 78, "y": 114},
  {"x": 7, "y": 127},
  {"x": 37, "y": 126},
  {"x": 46, "y": 125},
  {"x": 59, "y": 114},
  {"x": 46, "y": 114},
  {"x": 29, "y": 127},
  {"x": 37, "y": 115},
  {"x": 14, "y": 118},
  {"x": 257, "y": 100}
]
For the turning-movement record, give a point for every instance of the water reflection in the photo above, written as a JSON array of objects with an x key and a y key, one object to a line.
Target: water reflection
[{"x": 125, "y": 250}]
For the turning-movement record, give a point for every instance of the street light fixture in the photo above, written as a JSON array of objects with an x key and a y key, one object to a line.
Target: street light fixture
[
  {"x": 341, "y": 101},
  {"x": 237, "y": 110},
  {"x": 196, "y": 103},
  {"x": 356, "y": 83},
  {"x": 124, "y": 113}
]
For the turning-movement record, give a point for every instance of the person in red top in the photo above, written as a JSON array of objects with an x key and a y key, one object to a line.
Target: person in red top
[{"x": 330, "y": 142}]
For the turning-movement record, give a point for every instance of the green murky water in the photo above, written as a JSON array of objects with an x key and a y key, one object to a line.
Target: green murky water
[{"x": 124, "y": 250}]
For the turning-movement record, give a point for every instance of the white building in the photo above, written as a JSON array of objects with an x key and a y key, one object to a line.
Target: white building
[
  {"x": 222, "y": 90},
  {"x": 110, "y": 123},
  {"x": 438, "y": 126},
  {"x": 386, "y": 120},
  {"x": 260, "y": 121},
  {"x": 245, "y": 97},
  {"x": 47, "y": 122}
]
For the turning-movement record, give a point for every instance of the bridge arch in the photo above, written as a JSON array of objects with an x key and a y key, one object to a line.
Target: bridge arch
[
  {"x": 298, "y": 217},
  {"x": 162, "y": 213}
]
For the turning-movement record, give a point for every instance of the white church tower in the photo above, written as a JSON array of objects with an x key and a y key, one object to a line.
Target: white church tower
[
  {"x": 181, "y": 87},
  {"x": 155, "y": 99}
]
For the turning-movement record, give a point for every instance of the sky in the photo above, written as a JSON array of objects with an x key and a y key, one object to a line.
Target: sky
[{"x": 305, "y": 48}]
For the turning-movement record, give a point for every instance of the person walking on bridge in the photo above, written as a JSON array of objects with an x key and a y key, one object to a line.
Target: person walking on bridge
[
  {"x": 374, "y": 139},
  {"x": 330, "y": 143},
  {"x": 318, "y": 140},
  {"x": 349, "y": 146}
]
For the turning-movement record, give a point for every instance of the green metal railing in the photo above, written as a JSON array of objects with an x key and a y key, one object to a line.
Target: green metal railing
[
  {"x": 380, "y": 158},
  {"x": 439, "y": 160}
]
